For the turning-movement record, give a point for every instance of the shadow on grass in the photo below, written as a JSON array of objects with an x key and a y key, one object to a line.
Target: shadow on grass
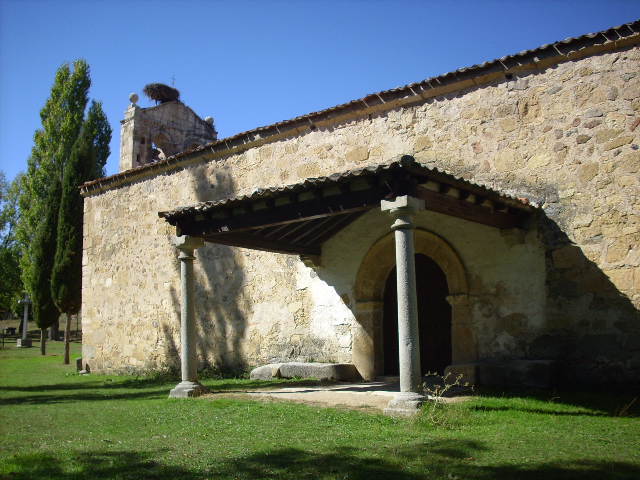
[
  {"x": 168, "y": 382},
  {"x": 439, "y": 459},
  {"x": 90, "y": 385},
  {"x": 542, "y": 411},
  {"x": 130, "y": 389},
  {"x": 595, "y": 404},
  {"x": 83, "y": 396}
]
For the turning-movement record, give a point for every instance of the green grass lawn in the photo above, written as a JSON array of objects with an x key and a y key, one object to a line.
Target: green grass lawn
[{"x": 55, "y": 424}]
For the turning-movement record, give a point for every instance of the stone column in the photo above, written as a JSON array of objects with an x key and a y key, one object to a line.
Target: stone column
[
  {"x": 189, "y": 386},
  {"x": 25, "y": 341},
  {"x": 409, "y": 399}
]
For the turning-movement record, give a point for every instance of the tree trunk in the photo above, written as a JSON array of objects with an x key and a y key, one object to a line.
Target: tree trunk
[
  {"x": 67, "y": 334},
  {"x": 43, "y": 341}
]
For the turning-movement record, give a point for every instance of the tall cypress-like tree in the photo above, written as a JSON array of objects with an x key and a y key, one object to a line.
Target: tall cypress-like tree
[
  {"x": 99, "y": 131},
  {"x": 62, "y": 122},
  {"x": 86, "y": 162},
  {"x": 43, "y": 248},
  {"x": 11, "y": 289},
  {"x": 66, "y": 275},
  {"x": 62, "y": 117}
]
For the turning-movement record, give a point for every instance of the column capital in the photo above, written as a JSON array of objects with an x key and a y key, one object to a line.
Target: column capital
[
  {"x": 187, "y": 244},
  {"x": 402, "y": 209},
  {"x": 402, "y": 205}
]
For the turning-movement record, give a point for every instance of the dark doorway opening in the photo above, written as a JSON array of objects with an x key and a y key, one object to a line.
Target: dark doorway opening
[{"x": 434, "y": 314}]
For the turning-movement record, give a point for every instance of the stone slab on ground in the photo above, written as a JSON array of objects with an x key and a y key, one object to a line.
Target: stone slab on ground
[
  {"x": 266, "y": 372},
  {"x": 369, "y": 396},
  {"x": 319, "y": 371}
]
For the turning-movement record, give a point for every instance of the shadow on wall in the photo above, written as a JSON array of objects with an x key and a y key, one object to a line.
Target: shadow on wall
[
  {"x": 592, "y": 328},
  {"x": 220, "y": 308},
  {"x": 433, "y": 459}
]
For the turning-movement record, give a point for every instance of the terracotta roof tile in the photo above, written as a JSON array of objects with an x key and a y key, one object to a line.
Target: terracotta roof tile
[
  {"x": 562, "y": 48},
  {"x": 405, "y": 162}
]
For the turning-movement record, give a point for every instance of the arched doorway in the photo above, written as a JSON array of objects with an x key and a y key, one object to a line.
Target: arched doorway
[
  {"x": 434, "y": 315},
  {"x": 369, "y": 290}
]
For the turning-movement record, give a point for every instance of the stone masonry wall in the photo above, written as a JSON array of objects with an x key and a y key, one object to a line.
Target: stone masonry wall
[{"x": 565, "y": 137}]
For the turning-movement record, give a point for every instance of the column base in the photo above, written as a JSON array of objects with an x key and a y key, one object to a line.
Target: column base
[
  {"x": 23, "y": 343},
  {"x": 187, "y": 389},
  {"x": 405, "y": 404}
]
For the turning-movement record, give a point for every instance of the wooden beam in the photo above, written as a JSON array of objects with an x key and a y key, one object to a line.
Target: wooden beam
[
  {"x": 437, "y": 202},
  {"x": 290, "y": 213},
  {"x": 337, "y": 225},
  {"x": 293, "y": 228},
  {"x": 311, "y": 228},
  {"x": 254, "y": 242}
]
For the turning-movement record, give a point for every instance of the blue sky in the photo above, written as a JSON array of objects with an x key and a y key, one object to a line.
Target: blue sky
[{"x": 252, "y": 63}]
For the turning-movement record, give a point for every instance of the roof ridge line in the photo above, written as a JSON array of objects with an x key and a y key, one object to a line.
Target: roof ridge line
[{"x": 502, "y": 64}]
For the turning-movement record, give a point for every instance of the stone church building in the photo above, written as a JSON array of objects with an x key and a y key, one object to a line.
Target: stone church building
[{"x": 485, "y": 221}]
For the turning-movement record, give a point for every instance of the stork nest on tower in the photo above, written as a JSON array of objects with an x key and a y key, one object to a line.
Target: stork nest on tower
[{"x": 161, "y": 93}]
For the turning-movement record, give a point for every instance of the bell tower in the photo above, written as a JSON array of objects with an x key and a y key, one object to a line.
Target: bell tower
[{"x": 155, "y": 133}]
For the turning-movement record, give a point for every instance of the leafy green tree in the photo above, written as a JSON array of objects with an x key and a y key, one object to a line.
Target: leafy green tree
[
  {"x": 10, "y": 282},
  {"x": 64, "y": 130},
  {"x": 62, "y": 117},
  {"x": 99, "y": 131},
  {"x": 86, "y": 162},
  {"x": 43, "y": 250}
]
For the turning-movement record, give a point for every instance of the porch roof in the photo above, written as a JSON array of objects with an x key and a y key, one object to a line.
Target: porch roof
[{"x": 299, "y": 218}]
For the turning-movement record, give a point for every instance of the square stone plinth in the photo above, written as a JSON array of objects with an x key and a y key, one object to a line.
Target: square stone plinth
[
  {"x": 23, "y": 343},
  {"x": 405, "y": 404},
  {"x": 188, "y": 390}
]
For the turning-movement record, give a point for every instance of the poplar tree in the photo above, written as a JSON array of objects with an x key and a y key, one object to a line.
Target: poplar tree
[
  {"x": 63, "y": 130},
  {"x": 10, "y": 283},
  {"x": 99, "y": 131},
  {"x": 86, "y": 162}
]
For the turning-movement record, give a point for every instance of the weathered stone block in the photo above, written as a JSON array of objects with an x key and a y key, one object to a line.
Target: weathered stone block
[
  {"x": 618, "y": 142},
  {"x": 422, "y": 143},
  {"x": 357, "y": 155},
  {"x": 622, "y": 278},
  {"x": 607, "y": 134},
  {"x": 266, "y": 372},
  {"x": 569, "y": 256},
  {"x": 320, "y": 371},
  {"x": 587, "y": 171}
]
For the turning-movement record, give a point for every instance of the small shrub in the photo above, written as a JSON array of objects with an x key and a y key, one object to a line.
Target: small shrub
[
  {"x": 624, "y": 411},
  {"x": 218, "y": 372},
  {"x": 436, "y": 411}
]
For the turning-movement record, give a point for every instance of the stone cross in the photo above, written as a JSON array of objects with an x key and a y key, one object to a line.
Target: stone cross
[{"x": 25, "y": 341}]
